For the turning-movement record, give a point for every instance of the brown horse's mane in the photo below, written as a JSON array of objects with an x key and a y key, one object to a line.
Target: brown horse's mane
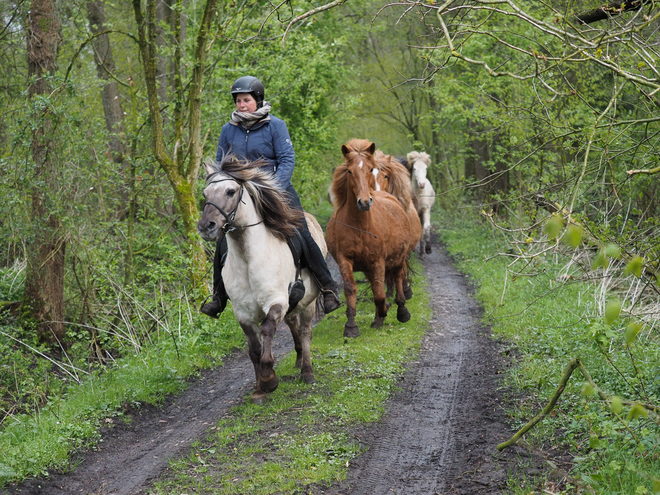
[
  {"x": 339, "y": 187},
  {"x": 272, "y": 204},
  {"x": 399, "y": 178}
]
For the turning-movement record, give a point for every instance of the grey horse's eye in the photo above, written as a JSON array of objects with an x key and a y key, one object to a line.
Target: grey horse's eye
[{"x": 230, "y": 192}]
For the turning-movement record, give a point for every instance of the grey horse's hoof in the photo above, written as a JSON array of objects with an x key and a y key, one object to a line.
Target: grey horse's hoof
[
  {"x": 308, "y": 378},
  {"x": 269, "y": 385}
]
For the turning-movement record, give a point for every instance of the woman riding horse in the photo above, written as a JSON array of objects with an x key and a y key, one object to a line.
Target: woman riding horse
[{"x": 254, "y": 134}]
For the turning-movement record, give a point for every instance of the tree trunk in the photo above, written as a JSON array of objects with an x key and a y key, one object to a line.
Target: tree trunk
[
  {"x": 439, "y": 175},
  {"x": 477, "y": 155},
  {"x": 182, "y": 163},
  {"x": 163, "y": 10},
  {"x": 44, "y": 280},
  {"x": 112, "y": 109}
]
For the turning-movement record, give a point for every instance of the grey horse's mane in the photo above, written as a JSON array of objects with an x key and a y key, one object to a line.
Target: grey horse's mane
[{"x": 279, "y": 216}]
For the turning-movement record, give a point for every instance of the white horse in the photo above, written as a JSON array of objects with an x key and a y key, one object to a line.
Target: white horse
[
  {"x": 418, "y": 163},
  {"x": 244, "y": 202}
]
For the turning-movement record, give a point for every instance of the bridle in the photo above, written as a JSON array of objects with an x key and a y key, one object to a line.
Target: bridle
[{"x": 231, "y": 215}]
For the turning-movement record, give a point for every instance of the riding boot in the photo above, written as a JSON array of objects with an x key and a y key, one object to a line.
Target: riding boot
[
  {"x": 316, "y": 261},
  {"x": 219, "y": 299},
  {"x": 321, "y": 273}
]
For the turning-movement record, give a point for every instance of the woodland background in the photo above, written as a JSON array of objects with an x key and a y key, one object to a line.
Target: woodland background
[{"x": 542, "y": 117}]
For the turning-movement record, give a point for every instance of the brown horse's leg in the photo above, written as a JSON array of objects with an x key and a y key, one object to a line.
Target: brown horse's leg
[
  {"x": 402, "y": 313},
  {"x": 407, "y": 289},
  {"x": 377, "y": 279},
  {"x": 267, "y": 378},
  {"x": 350, "y": 292}
]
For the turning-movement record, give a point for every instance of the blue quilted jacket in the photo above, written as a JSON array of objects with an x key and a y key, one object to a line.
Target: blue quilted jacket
[{"x": 267, "y": 139}]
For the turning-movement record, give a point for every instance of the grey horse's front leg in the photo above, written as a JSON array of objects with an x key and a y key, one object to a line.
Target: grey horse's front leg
[{"x": 267, "y": 377}]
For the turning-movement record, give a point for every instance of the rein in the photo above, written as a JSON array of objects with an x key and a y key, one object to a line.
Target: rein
[{"x": 231, "y": 216}]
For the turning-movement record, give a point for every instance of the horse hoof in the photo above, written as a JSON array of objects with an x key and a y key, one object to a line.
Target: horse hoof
[
  {"x": 402, "y": 314},
  {"x": 408, "y": 293},
  {"x": 299, "y": 363},
  {"x": 428, "y": 249},
  {"x": 308, "y": 378},
  {"x": 258, "y": 398},
  {"x": 351, "y": 331},
  {"x": 269, "y": 385},
  {"x": 378, "y": 322}
]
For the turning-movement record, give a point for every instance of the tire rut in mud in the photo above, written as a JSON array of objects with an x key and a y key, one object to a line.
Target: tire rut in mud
[
  {"x": 438, "y": 435},
  {"x": 133, "y": 454},
  {"x": 440, "y": 432}
]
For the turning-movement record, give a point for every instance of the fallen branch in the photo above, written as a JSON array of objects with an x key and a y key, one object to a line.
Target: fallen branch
[
  {"x": 546, "y": 410},
  {"x": 573, "y": 364}
]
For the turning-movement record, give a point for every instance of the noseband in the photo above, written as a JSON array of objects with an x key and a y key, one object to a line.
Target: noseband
[{"x": 230, "y": 216}]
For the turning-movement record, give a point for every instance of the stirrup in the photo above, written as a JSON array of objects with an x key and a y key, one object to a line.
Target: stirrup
[{"x": 331, "y": 300}]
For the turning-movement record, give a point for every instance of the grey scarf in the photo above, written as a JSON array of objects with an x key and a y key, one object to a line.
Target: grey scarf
[{"x": 247, "y": 119}]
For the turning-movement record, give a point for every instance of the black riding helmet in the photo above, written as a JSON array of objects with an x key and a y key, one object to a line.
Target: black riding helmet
[{"x": 251, "y": 85}]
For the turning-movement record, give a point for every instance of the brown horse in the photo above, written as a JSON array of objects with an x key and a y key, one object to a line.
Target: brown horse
[
  {"x": 392, "y": 177},
  {"x": 368, "y": 232}
]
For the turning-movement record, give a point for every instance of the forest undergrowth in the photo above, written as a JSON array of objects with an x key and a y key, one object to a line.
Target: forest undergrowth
[
  {"x": 562, "y": 303},
  {"x": 53, "y": 401}
]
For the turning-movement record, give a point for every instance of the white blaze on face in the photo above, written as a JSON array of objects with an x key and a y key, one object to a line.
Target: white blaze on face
[
  {"x": 361, "y": 164},
  {"x": 419, "y": 171},
  {"x": 375, "y": 172}
]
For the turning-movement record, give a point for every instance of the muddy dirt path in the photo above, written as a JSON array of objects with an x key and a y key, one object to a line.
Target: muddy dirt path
[
  {"x": 437, "y": 437},
  {"x": 439, "y": 434},
  {"x": 131, "y": 455}
]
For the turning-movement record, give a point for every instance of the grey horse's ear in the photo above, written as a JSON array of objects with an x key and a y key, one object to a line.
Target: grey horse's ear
[{"x": 210, "y": 166}]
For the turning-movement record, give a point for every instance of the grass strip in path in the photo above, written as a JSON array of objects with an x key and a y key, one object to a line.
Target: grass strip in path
[{"x": 299, "y": 436}]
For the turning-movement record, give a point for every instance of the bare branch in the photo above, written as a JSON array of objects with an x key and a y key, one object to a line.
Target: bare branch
[
  {"x": 608, "y": 11},
  {"x": 310, "y": 13},
  {"x": 649, "y": 171}
]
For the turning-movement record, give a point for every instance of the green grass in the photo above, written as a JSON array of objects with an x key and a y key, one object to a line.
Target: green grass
[
  {"x": 544, "y": 323},
  {"x": 31, "y": 445},
  {"x": 305, "y": 427}
]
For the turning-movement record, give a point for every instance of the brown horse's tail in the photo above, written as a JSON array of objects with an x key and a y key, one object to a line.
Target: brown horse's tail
[{"x": 390, "y": 279}]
